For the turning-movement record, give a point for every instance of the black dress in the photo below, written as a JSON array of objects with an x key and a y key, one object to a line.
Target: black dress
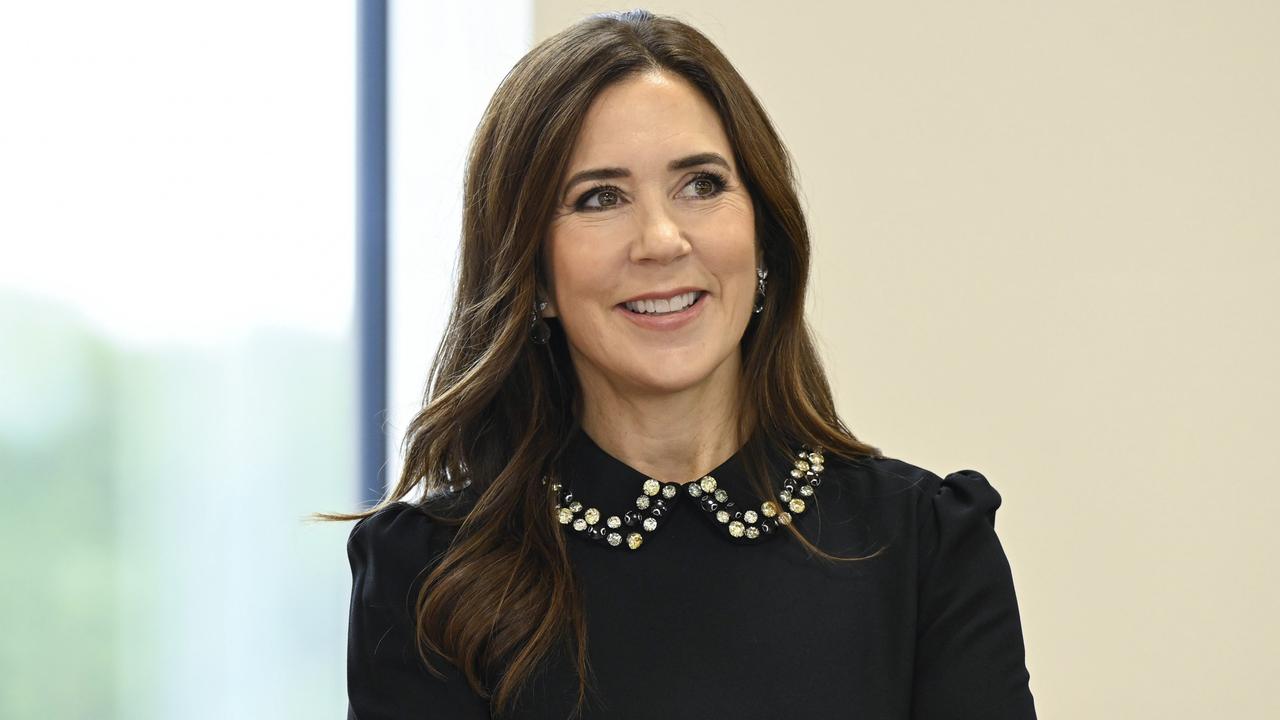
[{"x": 696, "y": 624}]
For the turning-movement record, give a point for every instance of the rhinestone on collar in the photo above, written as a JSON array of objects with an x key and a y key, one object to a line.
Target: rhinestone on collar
[{"x": 657, "y": 499}]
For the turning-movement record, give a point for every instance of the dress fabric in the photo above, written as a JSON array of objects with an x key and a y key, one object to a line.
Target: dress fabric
[{"x": 692, "y": 625}]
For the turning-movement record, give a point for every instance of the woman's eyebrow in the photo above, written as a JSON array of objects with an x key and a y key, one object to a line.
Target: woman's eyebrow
[{"x": 610, "y": 173}]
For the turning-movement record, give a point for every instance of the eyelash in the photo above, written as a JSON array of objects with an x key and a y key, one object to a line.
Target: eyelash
[{"x": 716, "y": 178}]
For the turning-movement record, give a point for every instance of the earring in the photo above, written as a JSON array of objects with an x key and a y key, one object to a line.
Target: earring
[
  {"x": 761, "y": 274},
  {"x": 539, "y": 331}
]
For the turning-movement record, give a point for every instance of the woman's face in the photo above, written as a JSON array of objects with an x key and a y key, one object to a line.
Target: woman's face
[{"x": 652, "y": 220}]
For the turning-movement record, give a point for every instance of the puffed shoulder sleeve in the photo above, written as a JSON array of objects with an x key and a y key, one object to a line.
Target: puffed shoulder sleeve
[
  {"x": 391, "y": 553},
  {"x": 970, "y": 659}
]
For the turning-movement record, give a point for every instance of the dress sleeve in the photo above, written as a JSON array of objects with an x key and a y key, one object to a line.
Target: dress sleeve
[
  {"x": 391, "y": 553},
  {"x": 970, "y": 660}
]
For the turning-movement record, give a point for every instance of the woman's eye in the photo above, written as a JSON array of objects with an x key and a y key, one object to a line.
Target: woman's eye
[
  {"x": 608, "y": 197},
  {"x": 705, "y": 185}
]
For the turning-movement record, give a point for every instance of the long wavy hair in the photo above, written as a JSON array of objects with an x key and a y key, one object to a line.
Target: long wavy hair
[{"x": 499, "y": 410}]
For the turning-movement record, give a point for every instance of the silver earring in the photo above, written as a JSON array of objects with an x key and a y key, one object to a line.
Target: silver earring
[
  {"x": 761, "y": 274},
  {"x": 539, "y": 331}
]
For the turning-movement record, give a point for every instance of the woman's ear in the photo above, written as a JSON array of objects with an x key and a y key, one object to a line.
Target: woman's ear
[
  {"x": 550, "y": 309},
  {"x": 543, "y": 280}
]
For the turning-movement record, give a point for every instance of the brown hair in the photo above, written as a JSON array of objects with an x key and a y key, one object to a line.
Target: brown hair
[{"x": 500, "y": 410}]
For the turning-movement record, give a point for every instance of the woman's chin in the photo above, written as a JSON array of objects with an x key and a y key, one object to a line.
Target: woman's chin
[{"x": 676, "y": 374}]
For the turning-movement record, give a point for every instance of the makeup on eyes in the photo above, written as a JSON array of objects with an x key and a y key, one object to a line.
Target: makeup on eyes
[
  {"x": 718, "y": 180},
  {"x": 613, "y": 173}
]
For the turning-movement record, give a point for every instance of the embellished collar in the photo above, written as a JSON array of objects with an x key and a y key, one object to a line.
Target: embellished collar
[{"x": 601, "y": 499}]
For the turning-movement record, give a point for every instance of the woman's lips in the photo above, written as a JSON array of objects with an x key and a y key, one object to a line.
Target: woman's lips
[{"x": 665, "y": 321}]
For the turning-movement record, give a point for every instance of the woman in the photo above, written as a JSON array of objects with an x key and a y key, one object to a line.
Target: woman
[{"x": 638, "y": 496}]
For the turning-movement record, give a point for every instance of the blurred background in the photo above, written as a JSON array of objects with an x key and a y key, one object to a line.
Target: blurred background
[{"x": 1046, "y": 247}]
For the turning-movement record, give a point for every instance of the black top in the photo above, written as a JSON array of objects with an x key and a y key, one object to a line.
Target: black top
[{"x": 693, "y": 624}]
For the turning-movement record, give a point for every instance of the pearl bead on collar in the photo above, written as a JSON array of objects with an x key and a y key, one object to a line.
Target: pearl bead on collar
[{"x": 656, "y": 500}]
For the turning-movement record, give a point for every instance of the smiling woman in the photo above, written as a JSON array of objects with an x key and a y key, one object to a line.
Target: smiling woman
[
  {"x": 619, "y": 503},
  {"x": 675, "y": 222}
]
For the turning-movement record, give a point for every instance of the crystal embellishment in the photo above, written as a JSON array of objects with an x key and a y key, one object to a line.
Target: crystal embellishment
[{"x": 657, "y": 499}]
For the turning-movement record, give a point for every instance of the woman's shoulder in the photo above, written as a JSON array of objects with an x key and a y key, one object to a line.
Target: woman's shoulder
[
  {"x": 402, "y": 536},
  {"x": 884, "y": 477},
  {"x": 415, "y": 522},
  {"x": 395, "y": 522},
  {"x": 392, "y": 551}
]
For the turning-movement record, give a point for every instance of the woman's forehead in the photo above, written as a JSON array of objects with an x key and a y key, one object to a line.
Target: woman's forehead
[{"x": 648, "y": 119}]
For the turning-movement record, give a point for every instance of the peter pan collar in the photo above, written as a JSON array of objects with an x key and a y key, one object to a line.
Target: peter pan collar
[{"x": 602, "y": 499}]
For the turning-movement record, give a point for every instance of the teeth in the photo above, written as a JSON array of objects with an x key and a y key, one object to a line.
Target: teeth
[{"x": 660, "y": 306}]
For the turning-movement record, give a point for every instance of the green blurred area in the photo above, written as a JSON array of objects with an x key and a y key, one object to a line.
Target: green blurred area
[{"x": 159, "y": 562}]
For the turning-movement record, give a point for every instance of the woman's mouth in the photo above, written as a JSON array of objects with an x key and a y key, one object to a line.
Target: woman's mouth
[
  {"x": 666, "y": 313},
  {"x": 666, "y": 306}
]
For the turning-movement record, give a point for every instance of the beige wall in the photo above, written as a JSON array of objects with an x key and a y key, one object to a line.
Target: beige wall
[{"x": 1046, "y": 241}]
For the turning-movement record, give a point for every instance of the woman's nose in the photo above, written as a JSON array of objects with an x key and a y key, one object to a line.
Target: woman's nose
[{"x": 661, "y": 238}]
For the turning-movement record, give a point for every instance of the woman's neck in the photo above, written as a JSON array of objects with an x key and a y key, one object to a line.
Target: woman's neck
[{"x": 671, "y": 437}]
